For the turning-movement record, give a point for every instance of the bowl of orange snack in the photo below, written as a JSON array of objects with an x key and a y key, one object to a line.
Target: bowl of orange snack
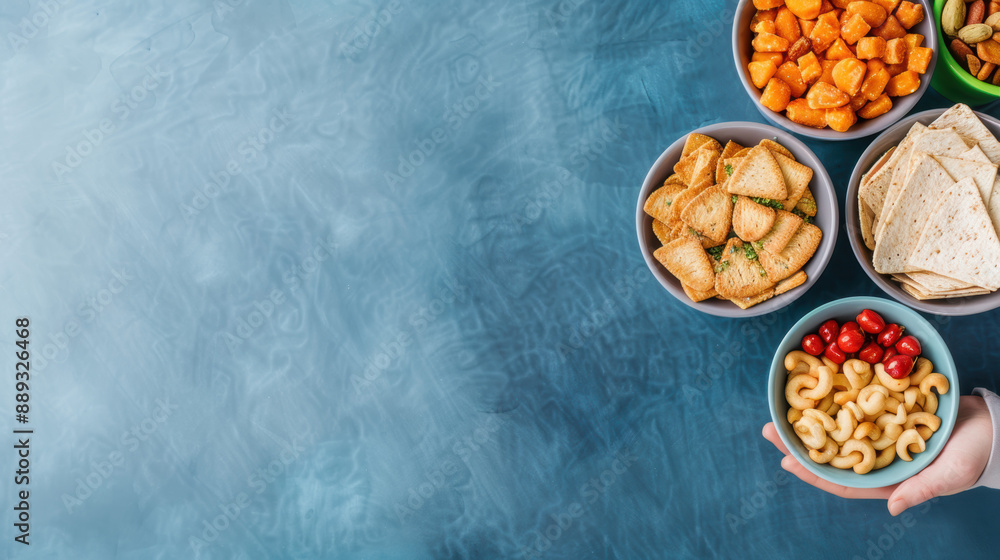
[
  {"x": 863, "y": 392},
  {"x": 834, "y": 69}
]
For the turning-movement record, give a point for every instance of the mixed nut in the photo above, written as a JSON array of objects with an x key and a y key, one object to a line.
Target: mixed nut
[{"x": 973, "y": 30}]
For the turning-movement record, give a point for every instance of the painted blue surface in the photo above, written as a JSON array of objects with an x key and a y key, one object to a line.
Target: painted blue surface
[{"x": 360, "y": 280}]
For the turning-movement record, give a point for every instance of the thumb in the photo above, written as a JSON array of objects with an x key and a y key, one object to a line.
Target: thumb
[{"x": 915, "y": 491}]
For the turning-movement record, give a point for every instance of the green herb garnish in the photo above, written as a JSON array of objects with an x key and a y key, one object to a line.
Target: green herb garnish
[
  {"x": 734, "y": 199},
  {"x": 721, "y": 267},
  {"x": 716, "y": 251},
  {"x": 768, "y": 202},
  {"x": 729, "y": 170},
  {"x": 805, "y": 217},
  {"x": 749, "y": 252}
]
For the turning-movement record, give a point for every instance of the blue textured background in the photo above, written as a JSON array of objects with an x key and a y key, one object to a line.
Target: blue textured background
[{"x": 329, "y": 361}]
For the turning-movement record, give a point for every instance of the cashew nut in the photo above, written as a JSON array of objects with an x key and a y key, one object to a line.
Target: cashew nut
[
  {"x": 887, "y": 380},
  {"x": 855, "y": 411},
  {"x": 858, "y": 372},
  {"x": 799, "y": 369},
  {"x": 828, "y": 423},
  {"x": 925, "y": 418},
  {"x": 868, "y": 430},
  {"x": 847, "y": 461},
  {"x": 826, "y": 403},
  {"x": 912, "y": 397},
  {"x": 830, "y": 363},
  {"x": 871, "y": 399},
  {"x": 935, "y": 380},
  {"x": 930, "y": 403},
  {"x": 925, "y": 432},
  {"x": 867, "y": 453},
  {"x": 842, "y": 397},
  {"x": 891, "y": 404},
  {"x": 829, "y": 452},
  {"x": 796, "y": 357},
  {"x": 885, "y": 456},
  {"x": 921, "y": 369},
  {"x": 797, "y": 383},
  {"x": 840, "y": 382},
  {"x": 833, "y": 410},
  {"x": 906, "y": 439},
  {"x": 825, "y": 383},
  {"x": 811, "y": 432},
  {"x": 793, "y": 415},
  {"x": 890, "y": 433},
  {"x": 846, "y": 425}
]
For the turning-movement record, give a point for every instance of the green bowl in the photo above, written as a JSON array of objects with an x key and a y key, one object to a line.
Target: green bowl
[
  {"x": 951, "y": 80},
  {"x": 934, "y": 349}
]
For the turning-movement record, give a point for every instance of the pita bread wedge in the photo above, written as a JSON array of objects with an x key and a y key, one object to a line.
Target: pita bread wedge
[
  {"x": 688, "y": 261},
  {"x": 994, "y": 206},
  {"x": 695, "y": 141},
  {"x": 710, "y": 213},
  {"x": 807, "y": 204},
  {"x": 795, "y": 255},
  {"x": 923, "y": 296},
  {"x": 965, "y": 122},
  {"x": 943, "y": 142},
  {"x": 684, "y": 168},
  {"x": 680, "y": 202},
  {"x": 704, "y": 167},
  {"x": 874, "y": 190},
  {"x": 776, "y": 148},
  {"x": 797, "y": 178},
  {"x": 720, "y": 168},
  {"x": 740, "y": 276},
  {"x": 932, "y": 282},
  {"x": 793, "y": 281},
  {"x": 662, "y": 232},
  {"x": 659, "y": 202},
  {"x": 785, "y": 226},
  {"x": 752, "y": 221},
  {"x": 975, "y": 153},
  {"x": 984, "y": 174},
  {"x": 697, "y": 295},
  {"x": 895, "y": 241},
  {"x": 729, "y": 166},
  {"x": 866, "y": 220},
  {"x": 758, "y": 175},
  {"x": 959, "y": 241},
  {"x": 748, "y": 302}
]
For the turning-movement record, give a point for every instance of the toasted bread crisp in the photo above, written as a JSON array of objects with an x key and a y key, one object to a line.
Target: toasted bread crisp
[
  {"x": 686, "y": 167},
  {"x": 785, "y": 226},
  {"x": 704, "y": 167},
  {"x": 695, "y": 141},
  {"x": 795, "y": 255},
  {"x": 807, "y": 204},
  {"x": 875, "y": 188},
  {"x": 662, "y": 232},
  {"x": 710, "y": 213},
  {"x": 697, "y": 295},
  {"x": 748, "y": 302},
  {"x": 752, "y": 221},
  {"x": 740, "y": 275},
  {"x": 866, "y": 219},
  {"x": 965, "y": 122},
  {"x": 984, "y": 174},
  {"x": 658, "y": 204},
  {"x": 687, "y": 260},
  {"x": 681, "y": 200},
  {"x": 776, "y": 148},
  {"x": 797, "y": 178},
  {"x": 758, "y": 175},
  {"x": 720, "y": 168},
  {"x": 793, "y": 281}
]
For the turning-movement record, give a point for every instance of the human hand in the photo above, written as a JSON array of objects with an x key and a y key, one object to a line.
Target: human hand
[{"x": 956, "y": 469}]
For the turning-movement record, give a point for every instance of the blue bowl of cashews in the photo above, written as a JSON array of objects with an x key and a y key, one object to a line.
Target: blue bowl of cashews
[{"x": 854, "y": 425}]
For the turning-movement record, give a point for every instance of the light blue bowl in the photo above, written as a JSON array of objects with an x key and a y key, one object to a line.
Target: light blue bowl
[{"x": 934, "y": 349}]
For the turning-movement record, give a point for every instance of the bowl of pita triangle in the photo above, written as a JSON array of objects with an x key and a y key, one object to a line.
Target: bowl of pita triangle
[
  {"x": 737, "y": 219},
  {"x": 923, "y": 211}
]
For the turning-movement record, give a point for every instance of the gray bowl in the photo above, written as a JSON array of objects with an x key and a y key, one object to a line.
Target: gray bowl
[
  {"x": 969, "y": 305},
  {"x": 747, "y": 134},
  {"x": 901, "y": 105}
]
